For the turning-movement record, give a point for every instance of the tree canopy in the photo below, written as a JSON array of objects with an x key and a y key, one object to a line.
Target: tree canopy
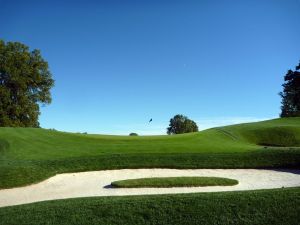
[
  {"x": 25, "y": 82},
  {"x": 180, "y": 124},
  {"x": 291, "y": 94}
]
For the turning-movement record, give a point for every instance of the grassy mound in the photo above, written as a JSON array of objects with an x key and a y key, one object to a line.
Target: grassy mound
[
  {"x": 268, "y": 207},
  {"x": 284, "y": 132},
  {"x": 29, "y": 155},
  {"x": 166, "y": 182}
]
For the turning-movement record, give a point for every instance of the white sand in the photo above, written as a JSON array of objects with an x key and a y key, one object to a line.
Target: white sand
[{"x": 96, "y": 183}]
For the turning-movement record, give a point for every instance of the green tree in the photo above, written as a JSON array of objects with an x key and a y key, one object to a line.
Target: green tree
[
  {"x": 180, "y": 124},
  {"x": 25, "y": 82},
  {"x": 291, "y": 94}
]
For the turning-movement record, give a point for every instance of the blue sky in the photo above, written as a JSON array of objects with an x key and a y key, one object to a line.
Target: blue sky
[{"x": 119, "y": 63}]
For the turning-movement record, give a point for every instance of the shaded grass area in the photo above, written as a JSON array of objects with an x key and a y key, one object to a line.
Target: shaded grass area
[
  {"x": 166, "y": 182},
  {"x": 278, "y": 132},
  {"x": 274, "y": 207},
  {"x": 22, "y": 172}
]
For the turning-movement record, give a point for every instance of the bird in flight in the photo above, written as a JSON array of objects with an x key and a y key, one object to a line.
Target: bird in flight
[{"x": 150, "y": 120}]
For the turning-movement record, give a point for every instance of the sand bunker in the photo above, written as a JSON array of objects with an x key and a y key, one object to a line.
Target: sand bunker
[{"x": 97, "y": 183}]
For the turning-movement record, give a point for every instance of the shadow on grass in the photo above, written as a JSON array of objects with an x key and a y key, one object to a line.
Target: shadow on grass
[
  {"x": 109, "y": 186},
  {"x": 295, "y": 171}
]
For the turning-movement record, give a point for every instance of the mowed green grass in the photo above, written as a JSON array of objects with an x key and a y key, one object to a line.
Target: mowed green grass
[
  {"x": 166, "y": 182},
  {"x": 267, "y": 207},
  {"x": 29, "y": 155}
]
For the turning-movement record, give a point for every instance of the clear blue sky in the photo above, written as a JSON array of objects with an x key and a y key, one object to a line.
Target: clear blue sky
[{"x": 119, "y": 63}]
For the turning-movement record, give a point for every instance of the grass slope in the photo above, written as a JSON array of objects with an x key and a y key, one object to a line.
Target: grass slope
[
  {"x": 268, "y": 207},
  {"x": 28, "y": 155},
  {"x": 166, "y": 182}
]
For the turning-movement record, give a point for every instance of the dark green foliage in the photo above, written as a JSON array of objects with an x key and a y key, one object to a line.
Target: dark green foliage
[
  {"x": 165, "y": 182},
  {"x": 265, "y": 207},
  {"x": 25, "y": 81},
  {"x": 291, "y": 94},
  {"x": 133, "y": 134},
  {"x": 180, "y": 124}
]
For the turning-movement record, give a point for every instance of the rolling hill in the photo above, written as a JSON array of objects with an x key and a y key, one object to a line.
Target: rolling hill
[{"x": 28, "y": 155}]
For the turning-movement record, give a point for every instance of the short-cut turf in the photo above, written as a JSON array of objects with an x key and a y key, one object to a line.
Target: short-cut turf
[
  {"x": 267, "y": 207},
  {"x": 29, "y": 155},
  {"x": 166, "y": 182}
]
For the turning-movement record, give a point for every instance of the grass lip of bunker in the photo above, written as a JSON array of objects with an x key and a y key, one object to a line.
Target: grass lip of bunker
[{"x": 167, "y": 182}]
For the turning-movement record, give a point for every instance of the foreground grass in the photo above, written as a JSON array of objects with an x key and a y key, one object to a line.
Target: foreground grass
[
  {"x": 165, "y": 182},
  {"x": 29, "y": 155},
  {"x": 278, "y": 206}
]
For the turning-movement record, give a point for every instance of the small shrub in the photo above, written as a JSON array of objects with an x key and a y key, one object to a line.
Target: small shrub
[{"x": 133, "y": 134}]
